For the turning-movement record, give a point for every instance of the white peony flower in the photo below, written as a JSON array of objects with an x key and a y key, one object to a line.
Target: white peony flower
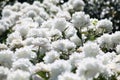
[
  {"x": 63, "y": 45},
  {"x": 78, "y": 5},
  {"x": 37, "y": 33},
  {"x": 74, "y": 58},
  {"x": 118, "y": 49},
  {"x": 8, "y": 7},
  {"x": 105, "y": 24},
  {"x": 28, "y": 8},
  {"x": 28, "y": 41},
  {"x": 115, "y": 37},
  {"x": 67, "y": 7},
  {"x": 116, "y": 58},
  {"x": 22, "y": 64},
  {"x": 59, "y": 67},
  {"x": 24, "y": 5},
  {"x": 43, "y": 14},
  {"x": 24, "y": 22},
  {"x": 6, "y": 58},
  {"x": 16, "y": 7},
  {"x": 89, "y": 67},
  {"x": 16, "y": 43},
  {"x": 31, "y": 14},
  {"x": 114, "y": 65},
  {"x": 53, "y": 10},
  {"x": 42, "y": 42},
  {"x": 3, "y": 72},
  {"x": 105, "y": 41},
  {"x": 64, "y": 14},
  {"x": 3, "y": 46},
  {"x": 12, "y": 36},
  {"x": 47, "y": 24},
  {"x": 91, "y": 49},
  {"x": 37, "y": 3},
  {"x": 39, "y": 20},
  {"x": 13, "y": 18},
  {"x": 106, "y": 58},
  {"x": 80, "y": 20},
  {"x": 25, "y": 52},
  {"x": 5, "y": 24},
  {"x": 22, "y": 29},
  {"x": 69, "y": 76},
  {"x": 40, "y": 67},
  {"x": 6, "y": 13},
  {"x": 19, "y": 75},
  {"x": 55, "y": 34},
  {"x": 69, "y": 45},
  {"x": 60, "y": 24},
  {"x": 51, "y": 56}
]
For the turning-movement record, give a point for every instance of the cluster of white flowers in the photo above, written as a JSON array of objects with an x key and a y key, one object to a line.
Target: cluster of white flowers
[{"x": 54, "y": 40}]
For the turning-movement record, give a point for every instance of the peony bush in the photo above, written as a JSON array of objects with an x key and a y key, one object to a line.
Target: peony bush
[{"x": 54, "y": 40}]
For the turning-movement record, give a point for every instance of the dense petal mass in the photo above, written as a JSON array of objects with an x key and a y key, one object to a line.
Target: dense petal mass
[{"x": 57, "y": 40}]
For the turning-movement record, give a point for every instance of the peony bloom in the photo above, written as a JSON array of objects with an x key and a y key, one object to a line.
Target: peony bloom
[
  {"x": 91, "y": 49},
  {"x": 115, "y": 37},
  {"x": 3, "y": 72},
  {"x": 42, "y": 42},
  {"x": 22, "y": 64},
  {"x": 63, "y": 45},
  {"x": 75, "y": 57},
  {"x": 60, "y": 24},
  {"x": 25, "y": 52},
  {"x": 12, "y": 36},
  {"x": 19, "y": 75},
  {"x": 105, "y": 24},
  {"x": 51, "y": 56},
  {"x": 78, "y": 5},
  {"x": 7, "y": 13},
  {"x": 69, "y": 76},
  {"x": 90, "y": 68},
  {"x": 59, "y": 67},
  {"x": 34, "y": 32},
  {"x": 105, "y": 41},
  {"x": 80, "y": 20},
  {"x": 6, "y": 58},
  {"x": 118, "y": 49}
]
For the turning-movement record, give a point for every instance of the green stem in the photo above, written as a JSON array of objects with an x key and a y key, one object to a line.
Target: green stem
[
  {"x": 38, "y": 54},
  {"x": 63, "y": 34},
  {"x": 79, "y": 34}
]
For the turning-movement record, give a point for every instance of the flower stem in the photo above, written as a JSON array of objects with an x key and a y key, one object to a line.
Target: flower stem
[{"x": 79, "y": 34}]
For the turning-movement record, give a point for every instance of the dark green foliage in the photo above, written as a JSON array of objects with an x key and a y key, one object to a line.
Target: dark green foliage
[
  {"x": 44, "y": 75},
  {"x": 112, "y": 7},
  {"x": 29, "y": 1},
  {"x": 102, "y": 77},
  {"x": 4, "y": 36}
]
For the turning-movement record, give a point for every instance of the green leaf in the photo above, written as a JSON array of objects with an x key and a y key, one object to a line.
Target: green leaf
[
  {"x": 44, "y": 75},
  {"x": 4, "y": 36}
]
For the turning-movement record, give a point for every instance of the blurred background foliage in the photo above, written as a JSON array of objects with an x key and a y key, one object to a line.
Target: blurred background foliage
[{"x": 99, "y": 9}]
